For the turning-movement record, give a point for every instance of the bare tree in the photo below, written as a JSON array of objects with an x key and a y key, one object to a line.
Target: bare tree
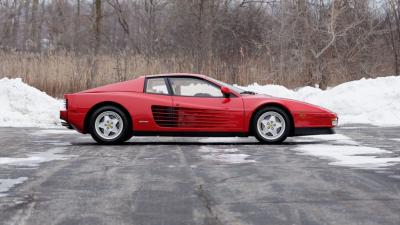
[{"x": 290, "y": 42}]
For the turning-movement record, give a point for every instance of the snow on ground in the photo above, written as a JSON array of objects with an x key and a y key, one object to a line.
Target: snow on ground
[
  {"x": 32, "y": 161},
  {"x": 352, "y": 156},
  {"x": 224, "y": 155},
  {"x": 227, "y": 139},
  {"x": 26, "y": 106},
  {"x": 371, "y": 101},
  {"x": 332, "y": 138},
  {"x": 343, "y": 151},
  {"x": 7, "y": 184},
  {"x": 35, "y": 158},
  {"x": 45, "y": 132}
]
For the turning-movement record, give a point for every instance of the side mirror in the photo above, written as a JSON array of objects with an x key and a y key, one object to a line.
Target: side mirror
[{"x": 226, "y": 92}]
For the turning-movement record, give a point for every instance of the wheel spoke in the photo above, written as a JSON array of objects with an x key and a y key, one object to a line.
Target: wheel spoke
[
  {"x": 278, "y": 125},
  {"x": 115, "y": 121},
  {"x": 106, "y": 118},
  {"x": 107, "y": 132},
  {"x": 272, "y": 119},
  {"x": 102, "y": 125},
  {"x": 264, "y": 123},
  {"x": 273, "y": 132},
  {"x": 115, "y": 130},
  {"x": 264, "y": 128}
]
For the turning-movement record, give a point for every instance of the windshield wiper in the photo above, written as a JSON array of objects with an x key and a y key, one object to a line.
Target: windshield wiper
[{"x": 248, "y": 92}]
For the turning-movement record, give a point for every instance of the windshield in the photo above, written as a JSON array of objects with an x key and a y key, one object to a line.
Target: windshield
[{"x": 235, "y": 89}]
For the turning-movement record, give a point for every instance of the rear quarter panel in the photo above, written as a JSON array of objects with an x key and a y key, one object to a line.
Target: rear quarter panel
[{"x": 138, "y": 106}]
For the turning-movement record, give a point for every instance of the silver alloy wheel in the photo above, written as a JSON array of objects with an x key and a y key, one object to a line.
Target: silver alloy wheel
[
  {"x": 271, "y": 125},
  {"x": 109, "y": 125}
]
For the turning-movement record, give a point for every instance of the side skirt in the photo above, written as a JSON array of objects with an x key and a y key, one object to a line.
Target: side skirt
[{"x": 191, "y": 134}]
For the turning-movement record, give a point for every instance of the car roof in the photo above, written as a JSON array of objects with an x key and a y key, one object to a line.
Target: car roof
[{"x": 175, "y": 75}]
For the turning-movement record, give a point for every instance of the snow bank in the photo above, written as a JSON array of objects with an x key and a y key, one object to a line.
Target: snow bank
[
  {"x": 24, "y": 106},
  {"x": 372, "y": 101}
]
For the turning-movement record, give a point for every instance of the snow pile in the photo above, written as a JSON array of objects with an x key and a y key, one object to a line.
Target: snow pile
[
  {"x": 26, "y": 106},
  {"x": 372, "y": 101}
]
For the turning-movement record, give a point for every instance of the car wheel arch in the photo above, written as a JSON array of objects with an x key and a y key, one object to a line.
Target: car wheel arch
[
  {"x": 273, "y": 104},
  {"x": 101, "y": 104}
]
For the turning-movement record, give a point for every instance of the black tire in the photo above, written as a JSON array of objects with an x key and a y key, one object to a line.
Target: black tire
[
  {"x": 125, "y": 134},
  {"x": 257, "y": 133}
]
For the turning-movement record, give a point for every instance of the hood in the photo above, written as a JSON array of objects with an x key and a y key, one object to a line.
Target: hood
[{"x": 293, "y": 105}]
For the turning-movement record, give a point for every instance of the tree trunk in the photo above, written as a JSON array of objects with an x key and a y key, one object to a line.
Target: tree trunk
[
  {"x": 34, "y": 26},
  {"x": 97, "y": 26},
  {"x": 77, "y": 26},
  {"x": 15, "y": 27}
]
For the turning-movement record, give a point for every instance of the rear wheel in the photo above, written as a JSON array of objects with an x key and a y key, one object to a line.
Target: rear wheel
[
  {"x": 109, "y": 125},
  {"x": 271, "y": 125}
]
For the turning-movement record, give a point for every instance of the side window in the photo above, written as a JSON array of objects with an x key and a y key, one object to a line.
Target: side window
[
  {"x": 156, "y": 86},
  {"x": 186, "y": 86}
]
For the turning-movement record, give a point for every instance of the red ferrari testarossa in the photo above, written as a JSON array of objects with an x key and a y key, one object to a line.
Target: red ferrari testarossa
[{"x": 189, "y": 105}]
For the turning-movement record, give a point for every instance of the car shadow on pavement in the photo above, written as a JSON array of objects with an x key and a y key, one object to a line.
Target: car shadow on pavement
[{"x": 142, "y": 143}]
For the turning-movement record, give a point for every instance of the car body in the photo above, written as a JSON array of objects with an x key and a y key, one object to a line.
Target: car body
[{"x": 189, "y": 105}]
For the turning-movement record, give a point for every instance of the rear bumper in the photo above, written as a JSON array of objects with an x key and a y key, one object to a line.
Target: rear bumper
[
  {"x": 64, "y": 116},
  {"x": 303, "y": 131},
  {"x": 67, "y": 125}
]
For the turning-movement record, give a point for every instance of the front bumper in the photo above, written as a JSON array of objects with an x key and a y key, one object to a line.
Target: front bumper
[{"x": 303, "y": 131}]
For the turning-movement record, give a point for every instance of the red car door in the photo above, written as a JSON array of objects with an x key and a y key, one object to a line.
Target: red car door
[
  {"x": 199, "y": 105},
  {"x": 153, "y": 107}
]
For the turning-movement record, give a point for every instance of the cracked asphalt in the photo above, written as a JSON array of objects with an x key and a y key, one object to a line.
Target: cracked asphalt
[{"x": 168, "y": 181}]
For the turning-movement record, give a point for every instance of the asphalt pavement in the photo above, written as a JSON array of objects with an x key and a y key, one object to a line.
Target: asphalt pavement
[{"x": 61, "y": 177}]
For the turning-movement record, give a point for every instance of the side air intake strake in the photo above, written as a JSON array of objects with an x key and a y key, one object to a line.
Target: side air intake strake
[{"x": 166, "y": 116}]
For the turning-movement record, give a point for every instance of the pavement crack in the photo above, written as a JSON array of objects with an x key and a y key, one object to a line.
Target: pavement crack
[
  {"x": 22, "y": 210},
  {"x": 226, "y": 179},
  {"x": 206, "y": 201}
]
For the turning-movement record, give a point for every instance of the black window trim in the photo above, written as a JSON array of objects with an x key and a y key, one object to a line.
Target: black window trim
[
  {"x": 169, "y": 86},
  {"x": 198, "y": 78}
]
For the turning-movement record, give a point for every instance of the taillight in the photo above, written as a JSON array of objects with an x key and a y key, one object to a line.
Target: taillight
[{"x": 65, "y": 105}]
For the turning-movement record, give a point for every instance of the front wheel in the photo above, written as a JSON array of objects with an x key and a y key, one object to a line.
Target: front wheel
[
  {"x": 109, "y": 125},
  {"x": 271, "y": 125}
]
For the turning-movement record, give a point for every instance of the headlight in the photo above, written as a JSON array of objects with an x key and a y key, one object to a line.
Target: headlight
[{"x": 335, "y": 122}]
